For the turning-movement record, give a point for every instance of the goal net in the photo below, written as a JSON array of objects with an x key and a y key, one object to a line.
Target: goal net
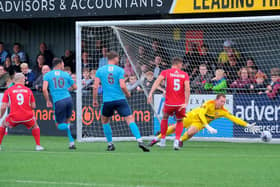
[{"x": 236, "y": 56}]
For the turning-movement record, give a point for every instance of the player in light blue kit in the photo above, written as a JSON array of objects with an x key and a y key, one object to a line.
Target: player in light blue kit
[
  {"x": 59, "y": 83},
  {"x": 115, "y": 92}
]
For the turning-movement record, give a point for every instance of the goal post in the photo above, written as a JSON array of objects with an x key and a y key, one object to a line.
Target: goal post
[{"x": 237, "y": 46}]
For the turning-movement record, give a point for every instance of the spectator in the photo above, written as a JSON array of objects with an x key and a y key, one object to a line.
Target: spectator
[
  {"x": 104, "y": 60},
  {"x": 69, "y": 60},
  {"x": 37, "y": 70},
  {"x": 250, "y": 63},
  {"x": 243, "y": 81},
  {"x": 17, "y": 51},
  {"x": 200, "y": 80},
  {"x": 29, "y": 75},
  {"x": 259, "y": 85},
  {"x": 224, "y": 55},
  {"x": 148, "y": 81},
  {"x": 141, "y": 56},
  {"x": 68, "y": 70},
  {"x": 38, "y": 83},
  {"x": 231, "y": 68},
  {"x": 191, "y": 61},
  {"x": 86, "y": 81},
  {"x": 273, "y": 90},
  {"x": 8, "y": 66},
  {"x": 206, "y": 58},
  {"x": 97, "y": 54},
  {"x": 157, "y": 68},
  {"x": 3, "y": 53},
  {"x": 85, "y": 61},
  {"x": 46, "y": 53},
  {"x": 4, "y": 77},
  {"x": 218, "y": 84},
  {"x": 17, "y": 64},
  {"x": 128, "y": 70},
  {"x": 132, "y": 84},
  {"x": 158, "y": 50}
]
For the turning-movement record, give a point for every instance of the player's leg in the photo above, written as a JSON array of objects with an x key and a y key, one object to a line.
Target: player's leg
[
  {"x": 164, "y": 126},
  {"x": 170, "y": 130},
  {"x": 68, "y": 111},
  {"x": 35, "y": 133},
  {"x": 180, "y": 114},
  {"x": 192, "y": 130},
  {"x": 125, "y": 111},
  {"x": 107, "y": 110},
  {"x": 3, "y": 127},
  {"x": 61, "y": 119}
]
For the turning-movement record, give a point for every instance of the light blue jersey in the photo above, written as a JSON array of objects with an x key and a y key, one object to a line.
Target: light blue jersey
[
  {"x": 110, "y": 76},
  {"x": 59, "y": 83}
]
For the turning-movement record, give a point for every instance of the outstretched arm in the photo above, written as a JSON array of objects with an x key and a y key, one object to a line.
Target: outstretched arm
[
  {"x": 252, "y": 128},
  {"x": 154, "y": 87},
  {"x": 3, "y": 109}
]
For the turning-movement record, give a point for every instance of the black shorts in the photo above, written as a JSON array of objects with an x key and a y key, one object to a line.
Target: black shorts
[
  {"x": 121, "y": 106},
  {"x": 63, "y": 110}
]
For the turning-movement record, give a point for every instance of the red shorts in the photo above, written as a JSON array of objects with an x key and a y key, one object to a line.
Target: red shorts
[
  {"x": 171, "y": 110},
  {"x": 27, "y": 123}
]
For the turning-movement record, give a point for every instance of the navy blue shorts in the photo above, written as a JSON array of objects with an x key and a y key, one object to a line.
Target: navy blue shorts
[
  {"x": 121, "y": 106},
  {"x": 63, "y": 110}
]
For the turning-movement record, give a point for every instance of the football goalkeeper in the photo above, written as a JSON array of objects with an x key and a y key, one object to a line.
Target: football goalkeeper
[{"x": 200, "y": 118}]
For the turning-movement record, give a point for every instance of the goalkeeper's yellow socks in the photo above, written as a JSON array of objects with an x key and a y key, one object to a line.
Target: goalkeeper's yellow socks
[
  {"x": 170, "y": 130},
  {"x": 108, "y": 132},
  {"x": 185, "y": 137}
]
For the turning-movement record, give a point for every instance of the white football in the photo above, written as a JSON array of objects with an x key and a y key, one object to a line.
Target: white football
[{"x": 266, "y": 136}]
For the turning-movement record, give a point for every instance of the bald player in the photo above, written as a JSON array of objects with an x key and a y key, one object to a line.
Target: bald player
[{"x": 21, "y": 101}]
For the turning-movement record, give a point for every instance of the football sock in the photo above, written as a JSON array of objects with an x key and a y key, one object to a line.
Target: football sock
[
  {"x": 2, "y": 133},
  {"x": 163, "y": 127},
  {"x": 36, "y": 135},
  {"x": 135, "y": 131},
  {"x": 108, "y": 132},
  {"x": 66, "y": 127},
  {"x": 185, "y": 137},
  {"x": 62, "y": 126},
  {"x": 169, "y": 131},
  {"x": 179, "y": 130},
  {"x": 70, "y": 137}
]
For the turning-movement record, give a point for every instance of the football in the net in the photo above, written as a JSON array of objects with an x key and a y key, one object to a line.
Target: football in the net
[{"x": 266, "y": 136}]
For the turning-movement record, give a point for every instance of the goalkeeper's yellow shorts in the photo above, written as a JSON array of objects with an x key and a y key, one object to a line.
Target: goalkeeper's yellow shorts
[{"x": 190, "y": 120}]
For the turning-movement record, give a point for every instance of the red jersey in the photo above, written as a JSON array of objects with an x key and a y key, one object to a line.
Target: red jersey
[
  {"x": 175, "y": 86},
  {"x": 19, "y": 98}
]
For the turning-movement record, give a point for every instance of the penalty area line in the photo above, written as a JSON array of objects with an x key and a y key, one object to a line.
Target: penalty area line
[{"x": 69, "y": 183}]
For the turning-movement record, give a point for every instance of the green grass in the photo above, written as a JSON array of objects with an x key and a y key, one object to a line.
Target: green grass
[{"x": 197, "y": 164}]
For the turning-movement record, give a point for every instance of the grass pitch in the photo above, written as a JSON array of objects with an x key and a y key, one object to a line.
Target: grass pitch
[{"x": 197, "y": 164}]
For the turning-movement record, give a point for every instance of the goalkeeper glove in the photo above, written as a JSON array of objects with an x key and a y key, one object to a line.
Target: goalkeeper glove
[
  {"x": 211, "y": 130},
  {"x": 252, "y": 128}
]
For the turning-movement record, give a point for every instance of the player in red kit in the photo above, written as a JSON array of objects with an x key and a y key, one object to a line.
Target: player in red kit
[
  {"x": 177, "y": 98},
  {"x": 21, "y": 101}
]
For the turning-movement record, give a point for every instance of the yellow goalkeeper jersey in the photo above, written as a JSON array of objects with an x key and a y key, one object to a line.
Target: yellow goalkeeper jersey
[{"x": 207, "y": 113}]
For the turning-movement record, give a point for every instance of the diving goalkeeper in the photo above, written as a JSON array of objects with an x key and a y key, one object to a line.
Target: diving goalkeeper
[{"x": 199, "y": 118}]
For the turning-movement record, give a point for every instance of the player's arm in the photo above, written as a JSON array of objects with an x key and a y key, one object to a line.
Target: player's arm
[
  {"x": 95, "y": 91},
  {"x": 32, "y": 101},
  {"x": 187, "y": 93},
  {"x": 5, "y": 104},
  {"x": 252, "y": 128},
  {"x": 154, "y": 87},
  {"x": 46, "y": 93},
  {"x": 201, "y": 114},
  {"x": 124, "y": 88}
]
